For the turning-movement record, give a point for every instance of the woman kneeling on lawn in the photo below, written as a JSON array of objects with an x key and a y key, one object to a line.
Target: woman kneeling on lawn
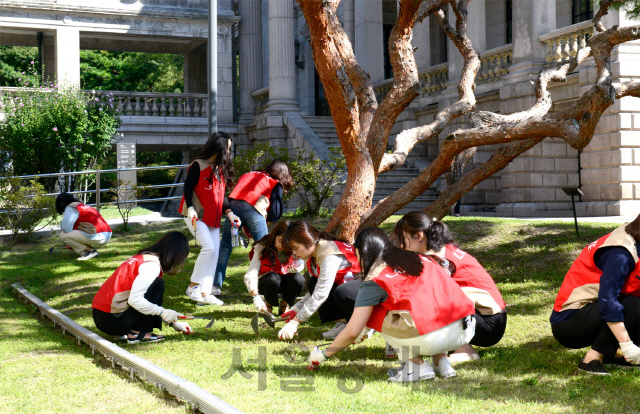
[
  {"x": 328, "y": 261},
  {"x": 272, "y": 271},
  {"x": 417, "y": 233},
  {"x": 82, "y": 226},
  {"x": 598, "y": 303},
  {"x": 412, "y": 301},
  {"x": 130, "y": 301}
]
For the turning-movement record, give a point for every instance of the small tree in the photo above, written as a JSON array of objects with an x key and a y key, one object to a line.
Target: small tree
[{"x": 126, "y": 197}]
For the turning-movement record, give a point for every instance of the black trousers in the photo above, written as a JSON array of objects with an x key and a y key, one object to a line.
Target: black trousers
[
  {"x": 345, "y": 297},
  {"x": 586, "y": 328},
  {"x": 329, "y": 310},
  {"x": 289, "y": 285},
  {"x": 119, "y": 324},
  {"x": 489, "y": 329}
]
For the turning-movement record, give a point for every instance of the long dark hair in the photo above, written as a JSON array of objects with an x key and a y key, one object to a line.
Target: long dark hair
[
  {"x": 436, "y": 232},
  {"x": 172, "y": 249},
  {"x": 279, "y": 170},
  {"x": 305, "y": 234},
  {"x": 218, "y": 145},
  {"x": 374, "y": 246},
  {"x": 633, "y": 229},
  {"x": 63, "y": 200},
  {"x": 268, "y": 242}
]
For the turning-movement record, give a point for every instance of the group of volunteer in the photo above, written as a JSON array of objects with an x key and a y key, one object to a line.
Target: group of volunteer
[{"x": 422, "y": 293}]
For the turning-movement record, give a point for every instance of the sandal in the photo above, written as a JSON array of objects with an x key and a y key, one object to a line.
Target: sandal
[{"x": 140, "y": 337}]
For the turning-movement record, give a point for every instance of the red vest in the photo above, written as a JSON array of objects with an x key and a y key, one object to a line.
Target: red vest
[
  {"x": 267, "y": 266},
  {"x": 347, "y": 250},
  {"x": 91, "y": 216},
  {"x": 113, "y": 294},
  {"x": 582, "y": 282},
  {"x": 432, "y": 300},
  {"x": 209, "y": 194},
  {"x": 470, "y": 273},
  {"x": 252, "y": 185}
]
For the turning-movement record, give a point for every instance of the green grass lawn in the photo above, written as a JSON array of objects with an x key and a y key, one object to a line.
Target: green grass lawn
[{"x": 527, "y": 372}]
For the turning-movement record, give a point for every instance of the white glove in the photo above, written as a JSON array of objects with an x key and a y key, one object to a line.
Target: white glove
[
  {"x": 182, "y": 327},
  {"x": 169, "y": 315},
  {"x": 316, "y": 357},
  {"x": 365, "y": 334},
  {"x": 289, "y": 330},
  {"x": 234, "y": 219},
  {"x": 193, "y": 216},
  {"x": 631, "y": 352},
  {"x": 259, "y": 304}
]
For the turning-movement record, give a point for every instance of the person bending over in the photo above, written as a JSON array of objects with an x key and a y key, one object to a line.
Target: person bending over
[{"x": 129, "y": 303}]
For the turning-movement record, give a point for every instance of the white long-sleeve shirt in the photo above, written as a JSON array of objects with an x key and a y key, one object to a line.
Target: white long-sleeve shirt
[
  {"x": 147, "y": 274},
  {"x": 253, "y": 272}
]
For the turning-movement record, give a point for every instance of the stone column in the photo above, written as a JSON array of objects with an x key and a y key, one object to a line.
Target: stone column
[
  {"x": 477, "y": 30},
  {"x": 350, "y": 20},
  {"x": 195, "y": 70},
  {"x": 530, "y": 20},
  {"x": 282, "y": 69},
  {"x": 421, "y": 40},
  {"x": 250, "y": 48},
  {"x": 67, "y": 55},
  {"x": 369, "y": 42},
  {"x": 49, "y": 58}
]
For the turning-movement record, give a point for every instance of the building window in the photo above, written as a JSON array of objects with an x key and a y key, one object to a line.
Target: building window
[
  {"x": 509, "y": 21},
  {"x": 582, "y": 11},
  {"x": 386, "y": 34}
]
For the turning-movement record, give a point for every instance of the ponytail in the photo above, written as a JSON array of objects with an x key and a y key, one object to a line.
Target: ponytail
[
  {"x": 436, "y": 232},
  {"x": 438, "y": 236}
]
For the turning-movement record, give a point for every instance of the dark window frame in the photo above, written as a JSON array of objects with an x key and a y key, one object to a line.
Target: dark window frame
[
  {"x": 581, "y": 11},
  {"x": 508, "y": 21}
]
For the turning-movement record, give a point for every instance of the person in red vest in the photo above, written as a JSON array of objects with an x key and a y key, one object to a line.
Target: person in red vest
[
  {"x": 83, "y": 228},
  {"x": 414, "y": 304},
  {"x": 129, "y": 303},
  {"x": 202, "y": 206},
  {"x": 418, "y": 233},
  {"x": 329, "y": 260},
  {"x": 598, "y": 302},
  {"x": 272, "y": 271},
  {"x": 257, "y": 201}
]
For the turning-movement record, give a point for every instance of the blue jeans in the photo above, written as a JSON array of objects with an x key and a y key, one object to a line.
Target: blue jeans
[{"x": 249, "y": 217}]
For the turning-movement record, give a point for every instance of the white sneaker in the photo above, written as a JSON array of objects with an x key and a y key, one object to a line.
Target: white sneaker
[
  {"x": 211, "y": 300},
  {"x": 332, "y": 334},
  {"x": 215, "y": 290},
  {"x": 413, "y": 372},
  {"x": 463, "y": 357},
  {"x": 444, "y": 368},
  {"x": 194, "y": 293},
  {"x": 389, "y": 352}
]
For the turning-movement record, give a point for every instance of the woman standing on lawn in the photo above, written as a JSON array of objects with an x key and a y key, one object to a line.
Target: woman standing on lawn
[
  {"x": 329, "y": 260},
  {"x": 598, "y": 304},
  {"x": 416, "y": 232},
  {"x": 272, "y": 271},
  {"x": 83, "y": 228},
  {"x": 130, "y": 301},
  {"x": 202, "y": 206},
  {"x": 257, "y": 201},
  {"x": 413, "y": 302}
]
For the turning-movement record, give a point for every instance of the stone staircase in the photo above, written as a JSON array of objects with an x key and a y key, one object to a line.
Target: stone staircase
[{"x": 388, "y": 183}]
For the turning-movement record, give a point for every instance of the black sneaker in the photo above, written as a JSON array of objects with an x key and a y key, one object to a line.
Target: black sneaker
[
  {"x": 594, "y": 367},
  {"x": 618, "y": 362},
  {"x": 86, "y": 255}
]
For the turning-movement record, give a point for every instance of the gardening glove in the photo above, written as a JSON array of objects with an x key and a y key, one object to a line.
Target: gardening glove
[
  {"x": 182, "y": 327},
  {"x": 316, "y": 357},
  {"x": 365, "y": 334},
  {"x": 235, "y": 220},
  {"x": 193, "y": 216},
  {"x": 289, "y": 330},
  {"x": 631, "y": 352},
  {"x": 259, "y": 304},
  {"x": 289, "y": 315},
  {"x": 169, "y": 316}
]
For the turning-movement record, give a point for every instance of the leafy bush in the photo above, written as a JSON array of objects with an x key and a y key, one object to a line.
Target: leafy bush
[{"x": 24, "y": 206}]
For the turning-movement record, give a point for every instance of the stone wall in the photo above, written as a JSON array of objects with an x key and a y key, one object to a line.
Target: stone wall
[
  {"x": 496, "y": 23},
  {"x": 563, "y": 13}
]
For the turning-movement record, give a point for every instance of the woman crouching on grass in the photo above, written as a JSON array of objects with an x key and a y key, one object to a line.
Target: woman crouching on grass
[
  {"x": 414, "y": 304},
  {"x": 328, "y": 261},
  {"x": 130, "y": 301},
  {"x": 273, "y": 271}
]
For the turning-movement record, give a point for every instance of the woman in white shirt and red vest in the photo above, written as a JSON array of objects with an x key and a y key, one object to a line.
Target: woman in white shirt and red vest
[
  {"x": 418, "y": 233},
  {"x": 598, "y": 304},
  {"x": 203, "y": 206},
  {"x": 129, "y": 303},
  {"x": 257, "y": 201},
  {"x": 412, "y": 301},
  {"x": 328, "y": 261},
  {"x": 83, "y": 228},
  {"x": 273, "y": 271}
]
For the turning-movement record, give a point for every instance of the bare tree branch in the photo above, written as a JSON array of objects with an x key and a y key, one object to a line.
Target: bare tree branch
[{"x": 604, "y": 9}]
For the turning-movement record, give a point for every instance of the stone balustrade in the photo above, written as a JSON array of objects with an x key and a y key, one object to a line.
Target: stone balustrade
[
  {"x": 563, "y": 44},
  {"x": 495, "y": 64},
  {"x": 434, "y": 80},
  {"x": 261, "y": 97}
]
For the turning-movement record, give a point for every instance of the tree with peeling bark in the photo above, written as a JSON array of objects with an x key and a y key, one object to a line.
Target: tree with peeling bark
[{"x": 364, "y": 124}]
